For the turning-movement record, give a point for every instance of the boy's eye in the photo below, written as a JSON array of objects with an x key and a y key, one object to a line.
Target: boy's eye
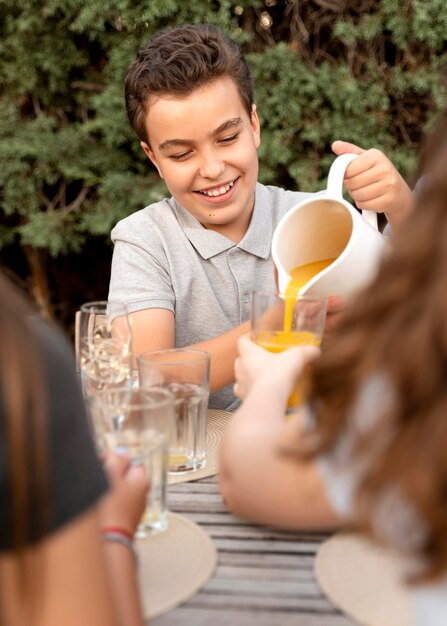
[
  {"x": 180, "y": 157},
  {"x": 230, "y": 138}
]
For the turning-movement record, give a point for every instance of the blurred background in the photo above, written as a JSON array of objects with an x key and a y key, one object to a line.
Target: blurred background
[{"x": 367, "y": 71}]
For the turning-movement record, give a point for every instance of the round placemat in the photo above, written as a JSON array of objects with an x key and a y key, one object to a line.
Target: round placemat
[
  {"x": 216, "y": 421},
  {"x": 363, "y": 581},
  {"x": 174, "y": 565}
]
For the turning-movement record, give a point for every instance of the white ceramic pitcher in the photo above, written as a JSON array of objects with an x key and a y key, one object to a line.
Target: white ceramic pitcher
[{"x": 328, "y": 227}]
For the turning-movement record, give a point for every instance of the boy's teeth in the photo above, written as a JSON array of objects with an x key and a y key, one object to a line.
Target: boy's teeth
[{"x": 218, "y": 192}]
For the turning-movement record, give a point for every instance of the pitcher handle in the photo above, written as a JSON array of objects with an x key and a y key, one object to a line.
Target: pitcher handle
[{"x": 335, "y": 184}]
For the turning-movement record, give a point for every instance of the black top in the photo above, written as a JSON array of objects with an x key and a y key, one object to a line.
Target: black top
[{"x": 76, "y": 477}]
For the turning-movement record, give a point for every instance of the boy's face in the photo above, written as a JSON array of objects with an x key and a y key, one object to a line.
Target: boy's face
[{"x": 204, "y": 146}]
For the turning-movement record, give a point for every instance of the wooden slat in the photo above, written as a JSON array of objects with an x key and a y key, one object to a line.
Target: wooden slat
[
  {"x": 184, "y": 499},
  {"x": 237, "y": 572},
  {"x": 222, "y": 517},
  {"x": 264, "y": 577},
  {"x": 267, "y": 561},
  {"x": 200, "y": 616},
  {"x": 258, "y": 602},
  {"x": 271, "y": 588},
  {"x": 236, "y": 531},
  {"x": 244, "y": 545},
  {"x": 194, "y": 487}
]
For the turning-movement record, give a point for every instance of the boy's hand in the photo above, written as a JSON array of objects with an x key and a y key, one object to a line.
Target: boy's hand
[
  {"x": 374, "y": 183},
  {"x": 334, "y": 306}
]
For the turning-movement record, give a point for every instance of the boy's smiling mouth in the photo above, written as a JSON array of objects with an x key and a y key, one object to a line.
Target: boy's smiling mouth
[{"x": 216, "y": 192}]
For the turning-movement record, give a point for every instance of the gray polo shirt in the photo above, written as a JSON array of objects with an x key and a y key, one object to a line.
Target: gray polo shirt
[{"x": 165, "y": 259}]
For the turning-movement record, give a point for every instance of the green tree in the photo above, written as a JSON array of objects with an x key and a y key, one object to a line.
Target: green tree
[{"x": 366, "y": 71}]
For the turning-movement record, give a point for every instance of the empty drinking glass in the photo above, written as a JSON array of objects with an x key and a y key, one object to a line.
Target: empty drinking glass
[{"x": 104, "y": 346}]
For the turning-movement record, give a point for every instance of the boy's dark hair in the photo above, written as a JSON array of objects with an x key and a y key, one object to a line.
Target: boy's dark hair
[{"x": 178, "y": 61}]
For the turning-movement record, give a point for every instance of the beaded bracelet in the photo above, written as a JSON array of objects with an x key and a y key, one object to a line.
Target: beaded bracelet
[
  {"x": 118, "y": 530},
  {"x": 123, "y": 539}
]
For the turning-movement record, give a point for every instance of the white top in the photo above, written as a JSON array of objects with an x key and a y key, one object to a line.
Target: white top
[{"x": 395, "y": 519}]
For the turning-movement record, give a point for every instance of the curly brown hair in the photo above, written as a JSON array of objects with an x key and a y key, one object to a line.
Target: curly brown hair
[
  {"x": 178, "y": 61},
  {"x": 398, "y": 327}
]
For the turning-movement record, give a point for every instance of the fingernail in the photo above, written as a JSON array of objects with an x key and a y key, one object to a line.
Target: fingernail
[
  {"x": 122, "y": 450},
  {"x": 335, "y": 300},
  {"x": 136, "y": 462}
]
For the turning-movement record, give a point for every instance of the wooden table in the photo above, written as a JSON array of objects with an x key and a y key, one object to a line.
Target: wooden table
[{"x": 263, "y": 578}]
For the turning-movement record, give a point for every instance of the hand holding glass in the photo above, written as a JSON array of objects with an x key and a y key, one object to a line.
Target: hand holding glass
[
  {"x": 279, "y": 322},
  {"x": 138, "y": 422}
]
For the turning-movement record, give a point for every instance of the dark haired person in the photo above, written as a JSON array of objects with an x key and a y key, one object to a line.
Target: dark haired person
[
  {"x": 186, "y": 266},
  {"x": 66, "y": 554},
  {"x": 370, "y": 447}
]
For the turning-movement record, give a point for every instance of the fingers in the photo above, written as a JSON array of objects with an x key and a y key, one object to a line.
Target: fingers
[
  {"x": 372, "y": 164},
  {"x": 237, "y": 368},
  {"x": 243, "y": 377},
  {"x": 119, "y": 466},
  {"x": 343, "y": 147},
  {"x": 136, "y": 476},
  {"x": 302, "y": 353},
  {"x": 334, "y": 304},
  {"x": 244, "y": 341},
  {"x": 116, "y": 465},
  {"x": 238, "y": 391},
  {"x": 374, "y": 183},
  {"x": 246, "y": 345}
]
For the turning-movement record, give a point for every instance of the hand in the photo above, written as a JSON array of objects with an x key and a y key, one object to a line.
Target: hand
[
  {"x": 124, "y": 505},
  {"x": 255, "y": 365},
  {"x": 374, "y": 183},
  {"x": 334, "y": 307}
]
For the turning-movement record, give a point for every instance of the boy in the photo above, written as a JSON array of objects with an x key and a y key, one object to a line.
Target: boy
[{"x": 186, "y": 265}]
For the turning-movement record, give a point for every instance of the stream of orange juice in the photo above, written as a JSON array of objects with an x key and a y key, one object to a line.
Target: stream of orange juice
[
  {"x": 279, "y": 340},
  {"x": 299, "y": 277}
]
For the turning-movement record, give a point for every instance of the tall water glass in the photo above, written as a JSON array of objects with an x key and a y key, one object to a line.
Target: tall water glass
[
  {"x": 139, "y": 422},
  {"x": 104, "y": 345},
  {"x": 186, "y": 373}
]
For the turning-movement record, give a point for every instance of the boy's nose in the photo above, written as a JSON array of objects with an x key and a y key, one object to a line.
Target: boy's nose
[{"x": 212, "y": 166}]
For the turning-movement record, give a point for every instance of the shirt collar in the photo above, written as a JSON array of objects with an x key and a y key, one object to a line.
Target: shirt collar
[{"x": 208, "y": 243}]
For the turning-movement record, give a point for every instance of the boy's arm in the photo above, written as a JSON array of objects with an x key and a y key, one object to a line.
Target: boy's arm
[
  {"x": 154, "y": 329},
  {"x": 374, "y": 183}
]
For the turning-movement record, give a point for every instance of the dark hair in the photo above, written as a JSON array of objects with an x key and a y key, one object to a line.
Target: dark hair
[
  {"x": 23, "y": 414},
  {"x": 397, "y": 328},
  {"x": 178, "y": 61}
]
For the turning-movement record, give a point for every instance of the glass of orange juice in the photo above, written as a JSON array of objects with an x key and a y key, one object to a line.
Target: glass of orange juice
[{"x": 279, "y": 322}]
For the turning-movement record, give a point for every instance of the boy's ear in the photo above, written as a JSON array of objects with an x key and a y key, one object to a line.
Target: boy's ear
[
  {"x": 256, "y": 126},
  {"x": 150, "y": 155}
]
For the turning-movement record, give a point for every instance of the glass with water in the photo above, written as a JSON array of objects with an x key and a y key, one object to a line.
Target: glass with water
[
  {"x": 138, "y": 422},
  {"x": 186, "y": 374}
]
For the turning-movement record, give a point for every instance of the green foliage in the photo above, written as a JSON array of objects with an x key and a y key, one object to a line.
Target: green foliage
[{"x": 367, "y": 72}]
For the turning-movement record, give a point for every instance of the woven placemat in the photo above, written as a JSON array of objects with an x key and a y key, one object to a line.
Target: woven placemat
[
  {"x": 174, "y": 565},
  {"x": 216, "y": 421},
  {"x": 363, "y": 581}
]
